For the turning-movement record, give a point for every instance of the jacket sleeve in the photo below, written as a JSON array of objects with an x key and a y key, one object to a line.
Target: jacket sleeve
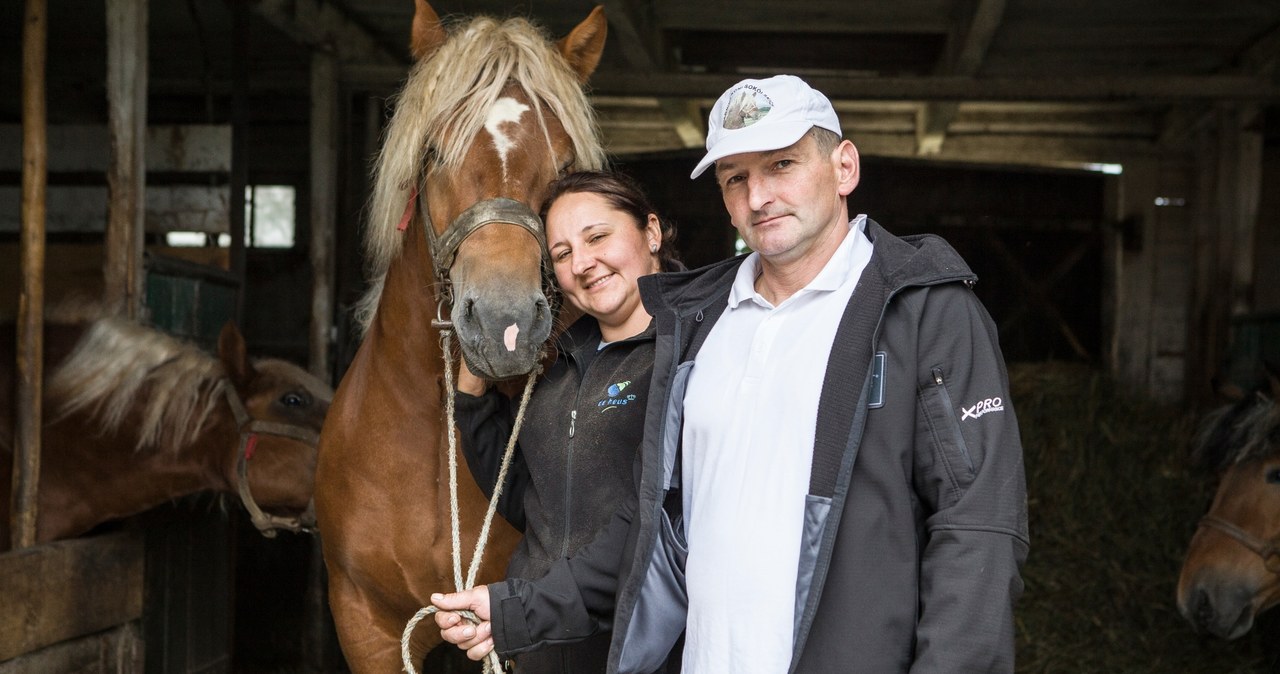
[
  {"x": 969, "y": 475},
  {"x": 573, "y": 601},
  {"x": 484, "y": 427}
]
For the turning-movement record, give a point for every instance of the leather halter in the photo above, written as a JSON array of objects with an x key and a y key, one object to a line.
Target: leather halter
[
  {"x": 1268, "y": 550},
  {"x": 444, "y": 247},
  {"x": 250, "y": 428}
]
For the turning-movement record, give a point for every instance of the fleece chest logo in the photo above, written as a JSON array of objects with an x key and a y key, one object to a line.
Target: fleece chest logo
[
  {"x": 614, "y": 397},
  {"x": 981, "y": 408}
]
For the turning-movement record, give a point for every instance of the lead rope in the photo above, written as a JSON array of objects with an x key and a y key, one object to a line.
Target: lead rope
[{"x": 492, "y": 663}]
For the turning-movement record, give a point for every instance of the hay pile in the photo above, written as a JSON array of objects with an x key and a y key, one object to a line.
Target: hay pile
[{"x": 1113, "y": 503}]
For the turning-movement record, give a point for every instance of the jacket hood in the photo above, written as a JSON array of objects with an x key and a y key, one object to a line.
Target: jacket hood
[{"x": 916, "y": 260}]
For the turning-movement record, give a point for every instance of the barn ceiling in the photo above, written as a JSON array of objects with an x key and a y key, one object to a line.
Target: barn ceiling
[{"x": 1009, "y": 81}]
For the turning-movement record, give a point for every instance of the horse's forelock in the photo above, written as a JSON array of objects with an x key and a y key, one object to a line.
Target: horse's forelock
[
  {"x": 1241, "y": 431},
  {"x": 435, "y": 104}
]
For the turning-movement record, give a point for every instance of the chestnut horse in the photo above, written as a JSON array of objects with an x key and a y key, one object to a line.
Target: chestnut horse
[
  {"x": 135, "y": 418},
  {"x": 1232, "y": 569},
  {"x": 491, "y": 113}
]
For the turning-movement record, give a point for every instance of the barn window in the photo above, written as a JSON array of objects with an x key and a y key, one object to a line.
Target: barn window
[
  {"x": 196, "y": 239},
  {"x": 269, "y": 221},
  {"x": 1109, "y": 169},
  {"x": 269, "y": 216}
]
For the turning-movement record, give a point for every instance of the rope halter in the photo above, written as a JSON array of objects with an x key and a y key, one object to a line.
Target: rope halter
[{"x": 1268, "y": 550}]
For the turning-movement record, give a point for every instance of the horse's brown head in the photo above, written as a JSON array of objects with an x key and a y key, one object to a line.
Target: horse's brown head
[
  {"x": 280, "y": 409},
  {"x": 1232, "y": 568},
  {"x": 475, "y": 154}
]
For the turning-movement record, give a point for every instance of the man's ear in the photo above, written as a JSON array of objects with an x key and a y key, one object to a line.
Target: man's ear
[{"x": 848, "y": 170}]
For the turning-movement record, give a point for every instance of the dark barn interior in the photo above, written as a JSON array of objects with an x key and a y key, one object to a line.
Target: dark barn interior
[{"x": 1110, "y": 171}]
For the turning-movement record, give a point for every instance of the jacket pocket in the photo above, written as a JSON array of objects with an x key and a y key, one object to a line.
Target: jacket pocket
[
  {"x": 950, "y": 453},
  {"x": 662, "y": 606}
]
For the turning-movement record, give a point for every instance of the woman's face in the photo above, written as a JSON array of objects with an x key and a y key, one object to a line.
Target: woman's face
[{"x": 598, "y": 252}]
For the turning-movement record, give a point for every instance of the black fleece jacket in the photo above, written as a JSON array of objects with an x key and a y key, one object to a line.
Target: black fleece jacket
[{"x": 574, "y": 461}]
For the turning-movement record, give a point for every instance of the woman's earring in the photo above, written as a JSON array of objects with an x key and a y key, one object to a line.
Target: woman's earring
[{"x": 653, "y": 248}]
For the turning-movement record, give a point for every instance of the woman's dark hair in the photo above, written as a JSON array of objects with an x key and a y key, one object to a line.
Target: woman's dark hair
[{"x": 623, "y": 193}]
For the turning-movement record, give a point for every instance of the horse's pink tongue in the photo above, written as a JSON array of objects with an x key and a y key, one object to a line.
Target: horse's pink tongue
[{"x": 509, "y": 336}]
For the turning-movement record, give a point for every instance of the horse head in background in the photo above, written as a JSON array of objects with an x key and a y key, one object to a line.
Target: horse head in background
[
  {"x": 135, "y": 418},
  {"x": 491, "y": 113},
  {"x": 1232, "y": 568}
]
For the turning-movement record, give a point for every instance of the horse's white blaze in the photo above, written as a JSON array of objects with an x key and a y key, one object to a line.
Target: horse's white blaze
[
  {"x": 504, "y": 110},
  {"x": 509, "y": 336}
]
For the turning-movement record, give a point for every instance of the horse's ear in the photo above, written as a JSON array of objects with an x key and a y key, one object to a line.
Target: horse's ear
[
  {"x": 428, "y": 34},
  {"x": 584, "y": 44},
  {"x": 231, "y": 352}
]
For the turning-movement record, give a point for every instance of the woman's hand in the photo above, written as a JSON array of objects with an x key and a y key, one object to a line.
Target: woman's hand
[
  {"x": 476, "y": 640},
  {"x": 468, "y": 382}
]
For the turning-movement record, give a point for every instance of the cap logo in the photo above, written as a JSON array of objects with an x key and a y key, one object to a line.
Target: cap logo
[{"x": 747, "y": 105}]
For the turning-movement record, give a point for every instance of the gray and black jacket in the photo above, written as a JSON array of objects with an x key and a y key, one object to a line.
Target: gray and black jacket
[
  {"x": 916, "y": 523},
  {"x": 574, "y": 460}
]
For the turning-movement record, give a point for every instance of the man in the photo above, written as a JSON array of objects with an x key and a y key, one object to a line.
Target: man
[{"x": 829, "y": 429}]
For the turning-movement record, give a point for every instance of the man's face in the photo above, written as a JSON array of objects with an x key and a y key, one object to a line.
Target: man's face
[{"x": 784, "y": 203}]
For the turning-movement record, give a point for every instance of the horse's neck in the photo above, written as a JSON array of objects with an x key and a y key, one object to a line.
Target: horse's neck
[
  {"x": 87, "y": 479},
  {"x": 402, "y": 327}
]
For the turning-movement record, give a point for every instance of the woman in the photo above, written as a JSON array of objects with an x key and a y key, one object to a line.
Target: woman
[{"x": 573, "y": 461}]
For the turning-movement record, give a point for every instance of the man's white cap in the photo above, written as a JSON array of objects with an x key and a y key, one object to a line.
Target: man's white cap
[{"x": 763, "y": 115}]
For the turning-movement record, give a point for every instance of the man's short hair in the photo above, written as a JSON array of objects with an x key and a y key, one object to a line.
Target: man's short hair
[{"x": 825, "y": 139}]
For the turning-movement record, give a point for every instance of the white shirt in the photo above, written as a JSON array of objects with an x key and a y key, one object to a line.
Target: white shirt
[{"x": 750, "y": 413}]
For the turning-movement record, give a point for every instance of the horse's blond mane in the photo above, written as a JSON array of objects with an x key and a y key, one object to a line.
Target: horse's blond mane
[
  {"x": 119, "y": 364},
  {"x": 447, "y": 96}
]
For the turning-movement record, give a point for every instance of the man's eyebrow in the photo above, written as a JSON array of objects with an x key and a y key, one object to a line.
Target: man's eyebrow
[{"x": 722, "y": 165}]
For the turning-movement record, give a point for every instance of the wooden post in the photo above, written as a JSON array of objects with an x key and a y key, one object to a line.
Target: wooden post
[
  {"x": 239, "y": 149},
  {"x": 26, "y": 459},
  {"x": 126, "y": 176},
  {"x": 324, "y": 189},
  {"x": 1201, "y": 326},
  {"x": 1246, "y": 132}
]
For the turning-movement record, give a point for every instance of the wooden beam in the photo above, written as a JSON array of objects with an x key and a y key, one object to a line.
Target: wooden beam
[
  {"x": 85, "y": 148},
  {"x": 956, "y": 88},
  {"x": 67, "y": 589},
  {"x": 322, "y": 26},
  {"x": 967, "y": 49},
  {"x": 119, "y": 650},
  {"x": 946, "y": 88},
  {"x": 1262, "y": 58},
  {"x": 82, "y": 208},
  {"x": 932, "y": 122},
  {"x": 822, "y": 16},
  {"x": 642, "y": 48},
  {"x": 30, "y": 337},
  {"x": 126, "y": 177},
  {"x": 324, "y": 190}
]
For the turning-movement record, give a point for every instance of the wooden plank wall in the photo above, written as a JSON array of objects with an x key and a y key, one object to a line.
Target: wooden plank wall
[{"x": 69, "y": 589}]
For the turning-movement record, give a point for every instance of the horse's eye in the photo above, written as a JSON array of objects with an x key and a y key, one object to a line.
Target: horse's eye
[{"x": 293, "y": 400}]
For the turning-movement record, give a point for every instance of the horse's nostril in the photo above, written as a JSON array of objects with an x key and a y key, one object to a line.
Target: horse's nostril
[
  {"x": 1204, "y": 614},
  {"x": 469, "y": 309}
]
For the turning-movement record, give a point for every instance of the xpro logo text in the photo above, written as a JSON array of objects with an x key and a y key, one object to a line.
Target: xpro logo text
[{"x": 988, "y": 405}]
